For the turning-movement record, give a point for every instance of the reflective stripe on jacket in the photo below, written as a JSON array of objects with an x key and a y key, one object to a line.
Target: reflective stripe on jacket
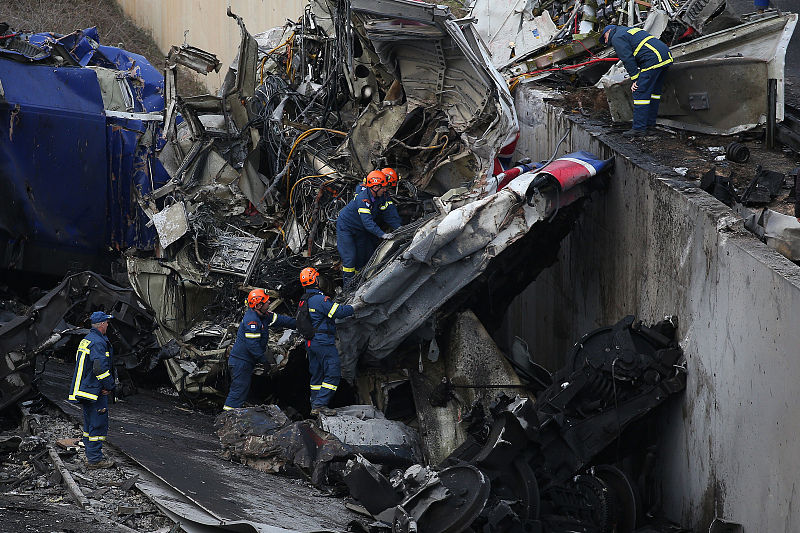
[
  {"x": 253, "y": 334},
  {"x": 638, "y": 50},
  {"x": 92, "y": 367},
  {"x": 359, "y": 214},
  {"x": 324, "y": 313}
]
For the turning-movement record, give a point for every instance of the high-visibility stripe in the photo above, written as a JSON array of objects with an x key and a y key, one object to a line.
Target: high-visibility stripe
[
  {"x": 334, "y": 307},
  {"x": 641, "y": 44},
  {"x": 364, "y": 210},
  {"x": 655, "y": 96},
  {"x": 104, "y": 375},
  {"x": 656, "y": 52},
  {"x": 665, "y": 62},
  {"x": 226, "y": 408},
  {"x": 274, "y": 318},
  {"x": 96, "y": 439},
  {"x": 636, "y": 75},
  {"x": 641, "y": 102},
  {"x": 329, "y": 386},
  {"x": 310, "y": 310},
  {"x": 387, "y": 204},
  {"x": 85, "y": 434},
  {"x": 348, "y": 269},
  {"x": 82, "y": 394},
  {"x": 316, "y": 387},
  {"x": 634, "y": 31},
  {"x": 252, "y": 335}
]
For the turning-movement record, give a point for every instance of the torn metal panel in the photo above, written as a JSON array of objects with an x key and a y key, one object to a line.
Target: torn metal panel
[
  {"x": 171, "y": 223},
  {"x": 194, "y": 58},
  {"x": 781, "y": 233},
  {"x": 707, "y": 16},
  {"x": 406, "y": 282},
  {"x": 443, "y": 64},
  {"x": 718, "y": 83},
  {"x": 510, "y": 29}
]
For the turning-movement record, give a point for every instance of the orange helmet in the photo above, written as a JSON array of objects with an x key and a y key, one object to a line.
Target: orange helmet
[
  {"x": 257, "y": 296},
  {"x": 392, "y": 175},
  {"x": 376, "y": 178},
  {"x": 308, "y": 276}
]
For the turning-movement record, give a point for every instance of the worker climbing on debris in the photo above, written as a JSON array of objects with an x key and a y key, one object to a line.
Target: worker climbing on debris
[
  {"x": 323, "y": 358},
  {"x": 646, "y": 59},
  {"x": 386, "y": 206},
  {"x": 251, "y": 345},
  {"x": 92, "y": 383},
  {"x": 357, "y": 228}
]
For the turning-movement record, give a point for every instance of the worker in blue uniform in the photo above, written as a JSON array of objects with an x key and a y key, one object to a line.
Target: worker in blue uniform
[
  {"x": 356, "y": 226},
  {"x": 323, "y": 358},
  {"x": 251, "y": 345},
  {"x": 386, "y": 205},
  {"x": 92, "y": 382},
  {"x": 646, "y": 59}
]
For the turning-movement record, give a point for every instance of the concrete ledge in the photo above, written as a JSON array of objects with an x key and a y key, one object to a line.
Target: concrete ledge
[{"x": 652, "y": 246}]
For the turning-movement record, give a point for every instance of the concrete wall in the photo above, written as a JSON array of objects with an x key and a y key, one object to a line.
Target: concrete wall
[
  {"x": 652, "y": 246},
  {"x": 209, "y": 26}
]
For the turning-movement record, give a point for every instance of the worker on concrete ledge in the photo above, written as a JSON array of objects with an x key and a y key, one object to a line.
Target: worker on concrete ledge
[
  {"x": 323, "y": 358},
  {"x": 92, "y": 383},
  {"x": 356, "y": 226},
  {"x": 646, "y": 59},
  {"x": 251, "y": 345}
]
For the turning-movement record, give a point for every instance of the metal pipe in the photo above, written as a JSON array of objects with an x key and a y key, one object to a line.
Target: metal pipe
[{"x": 772, "y": 99}]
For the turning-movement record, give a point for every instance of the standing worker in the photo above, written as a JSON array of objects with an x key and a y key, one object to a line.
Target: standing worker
[
  {"x": 388, "y": 208},
  {"x": 251, "y": 345},
  {"x": 323, "y": 358},
  {"x": 91, "y": 384},
  {"x": 646, "y": 59},
  {"x": 356, "y": 226}
]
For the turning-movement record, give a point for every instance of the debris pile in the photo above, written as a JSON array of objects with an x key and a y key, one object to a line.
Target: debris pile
[
  {"x": 35, "y": 459},
  {"x": 578, "y": 458}
]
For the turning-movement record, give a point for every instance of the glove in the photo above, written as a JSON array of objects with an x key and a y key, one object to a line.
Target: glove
[
  {"x": 357, "y": 305},
  {"x": 387, "y": 236}
]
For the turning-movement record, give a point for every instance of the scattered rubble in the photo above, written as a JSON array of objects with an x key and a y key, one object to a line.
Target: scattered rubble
[{"x": 33, "y": 494}]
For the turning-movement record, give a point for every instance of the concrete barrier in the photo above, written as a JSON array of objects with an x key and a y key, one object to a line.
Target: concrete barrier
[
  {"x": 208, "y": 25},
  {"x": 654, "y": 246}
]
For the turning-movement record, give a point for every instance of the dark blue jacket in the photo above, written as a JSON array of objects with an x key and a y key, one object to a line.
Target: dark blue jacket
[
  {"x": 324, "y": 313},
  {"x": 638, "y": 50},
  {"x": 386, "y": 208},
  {"x": 92, "y": 367},
  {"x": 359, "y": 215},
  {"x": 253, "y": 335}
]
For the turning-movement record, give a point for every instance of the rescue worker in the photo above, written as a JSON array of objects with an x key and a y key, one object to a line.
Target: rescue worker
[
  {"x": 92, "y": 382},
  {"x": 646, "y": 59},
  {"x": 251, "y": 345},
  {"x": 323, "y": 358},
  {"x": 356, "y": 226},
  {"x": 386, "y": 207}
]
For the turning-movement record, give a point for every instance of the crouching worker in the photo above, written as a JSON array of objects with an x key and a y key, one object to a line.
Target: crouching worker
[
  {"x": 251, "y": 345},
  {"x": 323, "y": 358},
  {"x": 646, "y": 59},
  {"x": 92, "y": 382},
  {"x": 356, "y": 228}
]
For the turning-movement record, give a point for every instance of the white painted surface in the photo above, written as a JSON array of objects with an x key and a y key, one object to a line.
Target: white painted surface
[{"x": 647, "y": 247}]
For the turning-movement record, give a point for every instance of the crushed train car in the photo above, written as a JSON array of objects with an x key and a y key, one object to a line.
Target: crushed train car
[{"x": 81, "y": 126}]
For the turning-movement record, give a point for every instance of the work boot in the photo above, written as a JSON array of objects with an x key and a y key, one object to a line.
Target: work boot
[
  {"x": 633, "y": 132},
  {"x": 103, "y": 463},
  {"x": 324, "y": 410}
]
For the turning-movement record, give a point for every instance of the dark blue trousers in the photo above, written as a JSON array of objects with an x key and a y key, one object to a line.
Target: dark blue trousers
[
  {"x": 355, "y": 249},
  {"x": 95, "y": 427},
  {"x": 241, "y": 375},
  {"x": 647, "y": 97},
  {"x": 326, "y": 372}
]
